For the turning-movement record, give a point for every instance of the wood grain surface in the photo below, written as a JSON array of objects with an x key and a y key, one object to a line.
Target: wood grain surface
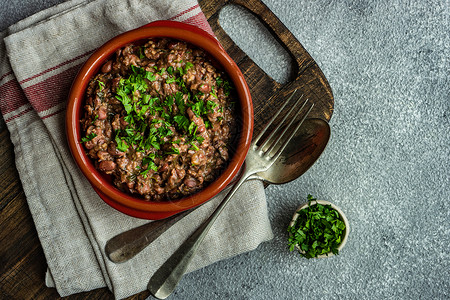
[{"x": 22, "y": 261}]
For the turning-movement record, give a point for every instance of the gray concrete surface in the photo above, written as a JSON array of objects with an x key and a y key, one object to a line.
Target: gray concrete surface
[{"x": 386, "y": 165}]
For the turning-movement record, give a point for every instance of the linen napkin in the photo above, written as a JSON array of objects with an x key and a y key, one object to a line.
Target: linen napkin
[{"x": 39, "y": 58}]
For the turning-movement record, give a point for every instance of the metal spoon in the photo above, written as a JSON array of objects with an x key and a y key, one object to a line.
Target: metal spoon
[{"x": 299, "y": 155}]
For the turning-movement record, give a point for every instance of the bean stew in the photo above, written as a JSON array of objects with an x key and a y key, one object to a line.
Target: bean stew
[{"x": 159, "y": 118}]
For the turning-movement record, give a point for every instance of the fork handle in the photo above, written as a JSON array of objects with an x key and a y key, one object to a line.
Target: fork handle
[{"x": 166, "y": 278}]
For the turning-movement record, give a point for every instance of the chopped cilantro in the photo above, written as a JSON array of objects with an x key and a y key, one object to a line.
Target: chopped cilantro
[
  {"x": 192, "y": 128},
  {"x": 170, "y": 80},
  {"x": 188, "y": 66},
  {"x": 180, "y": 102},
  {"x": 199, "y": 139},
  {"x": 227, "y": 87},
  {"x": 210, "y": 105},
  {"x": 88, "y": 138},
  {"x": 198, "y": 108},
  {"x": 121, "y": 144},
  {"x": 101, "y": 85},
  {"x": 182, "y": 122},
  {"x": 152, "y": 166},
  {"x": 150, "y": 120},
  {"x": 194, "y": 146},
  {"x": 150, "y": 76},
  {"x": 219, "y": 81},
  {"x": 180, "y": 71},
  {"x": 141, "y": 53},
  {"x": 317, "y": 230},
  {"x": 146, "y": 98}
]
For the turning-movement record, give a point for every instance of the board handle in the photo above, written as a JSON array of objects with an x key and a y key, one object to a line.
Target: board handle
[
  {"x": 278, "y": 30},
  {"x": 266, "y": 92}
]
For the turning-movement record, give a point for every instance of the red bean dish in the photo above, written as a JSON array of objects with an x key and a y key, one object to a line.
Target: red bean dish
[{"x": 159, "y": 119}]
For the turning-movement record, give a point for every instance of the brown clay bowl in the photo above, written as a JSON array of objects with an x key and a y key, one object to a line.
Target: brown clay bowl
[{"x": 131, "y": 204}]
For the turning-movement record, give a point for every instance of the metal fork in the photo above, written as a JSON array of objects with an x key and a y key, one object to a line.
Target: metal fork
[{"x": 259, "y": 159}]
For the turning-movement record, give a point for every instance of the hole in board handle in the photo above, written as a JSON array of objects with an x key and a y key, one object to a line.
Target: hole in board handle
[{"x": 257, "y": 42}]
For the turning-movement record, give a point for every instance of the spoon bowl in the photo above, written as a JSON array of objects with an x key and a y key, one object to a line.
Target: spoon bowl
[{"x": 298, "y": 156}]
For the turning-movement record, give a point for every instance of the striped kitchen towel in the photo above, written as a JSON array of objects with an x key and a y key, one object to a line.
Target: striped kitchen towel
[{"x": 39, "y": 57}]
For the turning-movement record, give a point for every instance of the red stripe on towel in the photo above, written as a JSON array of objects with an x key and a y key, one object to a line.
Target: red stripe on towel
[
  {"x": 54, "y": 114},
  {"x": 11, "y": 97},
  {"x": 200, "y": 21},
  {"x": 51, "y": 91},
  {"x": 6, "y": 74},
  {"x": 19, "y": 114},
  {"x": 57, "y": 66},
  {"x": 184, "y": 12}
]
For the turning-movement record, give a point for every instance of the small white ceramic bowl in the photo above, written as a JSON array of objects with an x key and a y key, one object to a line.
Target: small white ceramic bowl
[{"x": 341, "y": 214}]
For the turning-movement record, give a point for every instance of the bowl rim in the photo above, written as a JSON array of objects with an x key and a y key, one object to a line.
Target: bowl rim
[
  {"x": 341, "y": 214},
  {"x": 174, "y": 30}
]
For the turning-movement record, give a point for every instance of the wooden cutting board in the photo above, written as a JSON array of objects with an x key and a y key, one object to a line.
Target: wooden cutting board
[
  {"x": 22, "y": 261},
  {"x": 267, "y": 94}
]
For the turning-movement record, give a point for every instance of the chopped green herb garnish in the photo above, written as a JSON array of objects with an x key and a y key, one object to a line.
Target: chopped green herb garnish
[
  {"x": 227, "y": 87},
  {"x": 180, "y": 102},
  {"x": 199, "y": 139},
  {"x": 170, "y": 80},
  {"x": 174, "y": 151},
  {"x": 150, "y": 76},
  {"x": 88, "y": 138},
  {"x": 148, "y": 161},
  {"x": 121, "y": 144},
  {"x": 194, "y": 147},
  {"x": 150, "y": 120},
  {"x": 198, "y": 108},
  {"x": 182, "y": 122},
  {"x": 101, "y": 84},
  {"x": 219, "y": 81},
  {"x": 192, "y": 128},
  {"x": 141, "y": 53},
  {"x": 318, "y": 230},
  {"x": 210, "y": 105},
  {"x": 150, "y": 166},
  {"x": 188, "y": 66}
]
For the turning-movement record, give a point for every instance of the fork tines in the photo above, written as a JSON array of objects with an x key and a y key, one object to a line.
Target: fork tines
[{"x": 275, "y": 143}]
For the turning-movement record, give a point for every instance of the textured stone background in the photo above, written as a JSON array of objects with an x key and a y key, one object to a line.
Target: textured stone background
[{"x": 386, "y": 165}]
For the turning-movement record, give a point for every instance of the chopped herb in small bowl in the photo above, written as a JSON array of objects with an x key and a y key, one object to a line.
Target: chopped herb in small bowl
[{"x": 318, "y": 229}]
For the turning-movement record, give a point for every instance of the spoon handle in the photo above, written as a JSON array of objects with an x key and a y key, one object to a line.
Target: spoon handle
[
  {"x": 126, "y": 245},
  {"x": 166, "y": 278}
]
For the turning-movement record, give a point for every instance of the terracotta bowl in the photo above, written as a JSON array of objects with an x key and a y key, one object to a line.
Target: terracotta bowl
[{"x": 132, "y": 204}]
